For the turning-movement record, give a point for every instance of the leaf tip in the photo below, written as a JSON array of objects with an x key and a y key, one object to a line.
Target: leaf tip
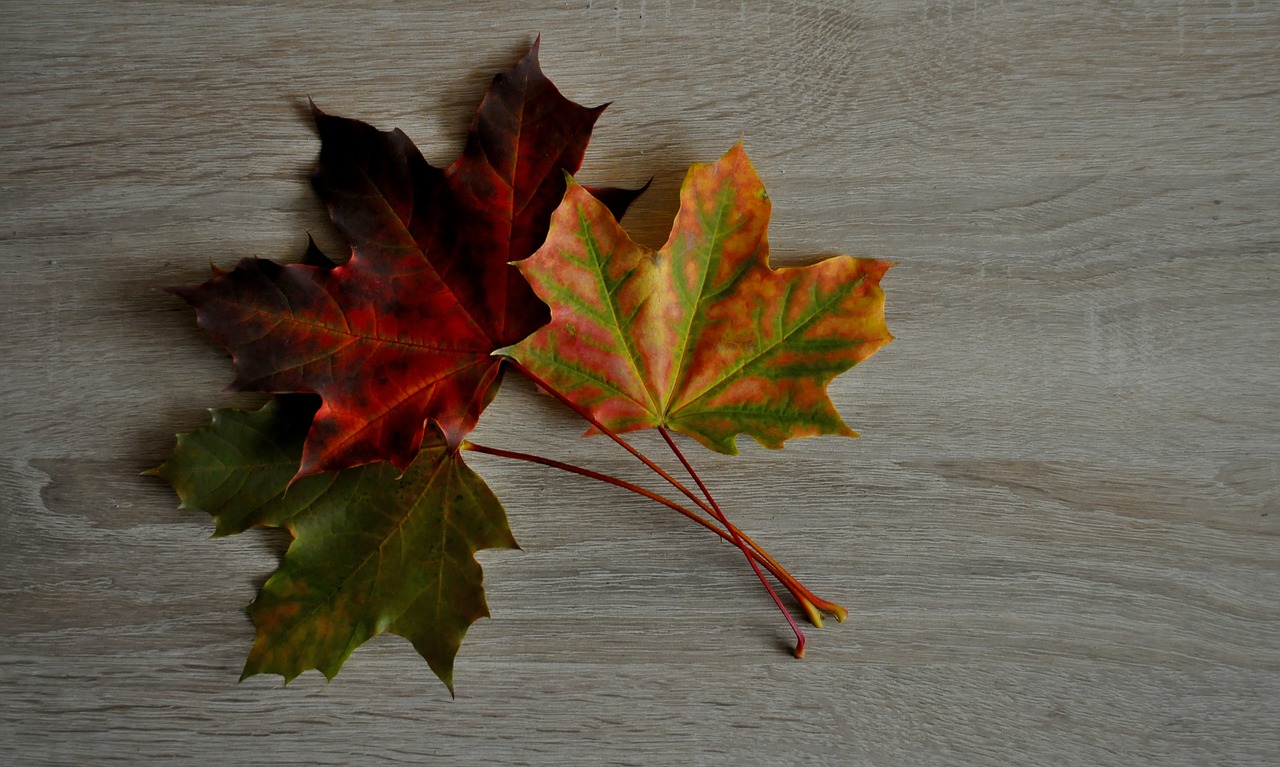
[{"x": 185, "y": 292}]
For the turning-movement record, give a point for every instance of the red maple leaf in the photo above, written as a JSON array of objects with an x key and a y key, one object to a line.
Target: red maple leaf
[{"x": 402, "y": 333}]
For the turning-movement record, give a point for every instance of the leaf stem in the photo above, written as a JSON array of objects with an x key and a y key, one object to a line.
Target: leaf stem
[
  {"x": 611, "y": 434},
  {"x": 802, "y": 594},
  {"x": 737, "y": 540},
  {"x": 769, "y": 563}
]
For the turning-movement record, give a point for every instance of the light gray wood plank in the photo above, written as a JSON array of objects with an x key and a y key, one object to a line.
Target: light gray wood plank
[{"x": 1058, "y": 536}]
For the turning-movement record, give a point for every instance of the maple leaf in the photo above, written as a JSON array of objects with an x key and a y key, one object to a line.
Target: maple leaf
[
  {"x": 372, "y": 550},
  {"x": 402, "y": 333},
  {"x": 701, "y": 336}
]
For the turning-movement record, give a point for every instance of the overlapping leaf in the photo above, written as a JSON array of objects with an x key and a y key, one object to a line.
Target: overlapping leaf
[
  {"x": 372, "y": 550},
  {"x": 404, "y": 342},
  {"x": 401, "y": 334},
  {"x": 702, "y": 336}
]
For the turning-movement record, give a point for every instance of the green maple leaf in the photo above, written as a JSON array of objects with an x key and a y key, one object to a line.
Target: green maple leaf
[
  {"x": 373, "y": 549},
  {"x": 701, "y": 336}
]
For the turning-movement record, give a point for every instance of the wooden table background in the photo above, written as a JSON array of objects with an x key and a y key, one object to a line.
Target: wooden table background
[{"x": 1057, "y": 536}]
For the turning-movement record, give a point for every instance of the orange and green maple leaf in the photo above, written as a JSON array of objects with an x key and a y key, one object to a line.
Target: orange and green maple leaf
[
  {"x": 374, "y": 550},
  {"x": 701, "y": 336}
]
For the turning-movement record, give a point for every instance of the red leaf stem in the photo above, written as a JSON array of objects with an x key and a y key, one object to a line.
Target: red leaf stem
[
  {"x": 804, "y": 596},
  {"x": 737, "y": 540},
  {"x": 788, "y": 580}
]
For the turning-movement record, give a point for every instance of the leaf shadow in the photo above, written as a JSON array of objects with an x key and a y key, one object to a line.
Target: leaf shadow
[
  {"x": 163, "y": 323},
  {"x": 275, "y": 540}
]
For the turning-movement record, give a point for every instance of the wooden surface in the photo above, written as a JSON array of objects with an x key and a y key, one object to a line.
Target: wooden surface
[{"x": 1057, "y": 536}]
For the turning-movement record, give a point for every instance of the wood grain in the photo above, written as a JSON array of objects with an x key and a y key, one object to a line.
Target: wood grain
[{"x": 1058, "y": 535}]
